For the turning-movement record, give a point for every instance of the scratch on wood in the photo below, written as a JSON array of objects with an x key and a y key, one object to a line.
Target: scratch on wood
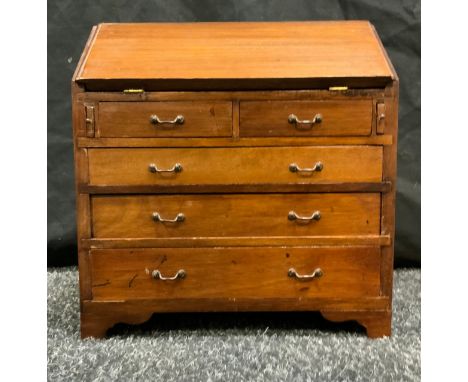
[
  {"x": 101, "y": 285},
  {"x": 131, "y": 281},
  {"x": 163, "y": 260}
]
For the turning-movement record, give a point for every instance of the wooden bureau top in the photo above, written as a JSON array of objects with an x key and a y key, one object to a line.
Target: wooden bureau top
[{"x": 234, "y": 55}]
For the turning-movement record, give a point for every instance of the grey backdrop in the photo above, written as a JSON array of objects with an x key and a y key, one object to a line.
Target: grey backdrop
[{"x": 70, "y": 21}]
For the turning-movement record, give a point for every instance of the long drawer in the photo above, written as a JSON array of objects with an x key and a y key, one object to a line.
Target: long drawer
[
  {"x": 165, "y": 119},
  {"x": 235, "y": 215},
  {"x": 256, "y": 165},
  {"x": 235, "y": 273}
]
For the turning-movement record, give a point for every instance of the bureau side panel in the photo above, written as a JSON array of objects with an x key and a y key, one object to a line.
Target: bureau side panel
[
  {"x": 83, "y": 212},
  {"x": 388, "y": 198}
]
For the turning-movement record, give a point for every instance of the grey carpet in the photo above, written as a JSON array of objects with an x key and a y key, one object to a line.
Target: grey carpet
[{"x": 233, "y": 347}]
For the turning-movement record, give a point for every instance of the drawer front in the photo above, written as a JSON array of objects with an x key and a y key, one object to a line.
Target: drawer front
[
  {"x": 305, "y": 118},
  {"x": 235, "y": 273},
  {"x": 256, "y": 165},
  {"x": 250, "y": 215},
  {"x": 165, "y": 119}
]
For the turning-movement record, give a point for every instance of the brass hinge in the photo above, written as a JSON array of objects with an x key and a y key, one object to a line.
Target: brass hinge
[
  {"x": 338, "y": 88},
  {"x": 89, "y": 110},
  {"x": 380, "y": 114},
  {"x": 133, "y": 91}
]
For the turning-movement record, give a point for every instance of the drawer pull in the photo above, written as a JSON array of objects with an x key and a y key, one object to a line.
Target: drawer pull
[
  {"x": 178, "y": 219},
  {"x": 293, "y": 167},
  {"x": 176, "y": 168},
  {"x": 178, "y": 120},
  {"x": 157, "y": 275},
  {"x": 314, "y": 275},
  {"x": 293, "y": 216},
  {"x": 298, "y": 122}
]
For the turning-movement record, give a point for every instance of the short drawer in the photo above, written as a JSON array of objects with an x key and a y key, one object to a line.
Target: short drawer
[
  {"x": 305, "y": 118},
  {"x": 297, "y": 272},
  {"x": 235, "y": 215},
  {"x": 165, "y": 119},
  {"x": 224, "y": 166}
]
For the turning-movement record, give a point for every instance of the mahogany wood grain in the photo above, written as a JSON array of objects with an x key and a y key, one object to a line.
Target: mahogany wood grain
[
  {"x": 237, "y": 188},
  {"x": 376, "y": 140},
  {"x": 270, "y": 118},
  {"x": 83, "y": 213},
  {"x": 83, "y": 56},
  {"x": 388, "y": 199},
  {"x": 251, "y": 241},
  {"x": 255, "y": 165},
  {"x": 235, "y": 273},
  {"x": 235, "y": 119},
  {"x": 280, "y": 55},
  {"x": 227, "y": 304},
  {"x": 82, "y": 199},
  {"x": 95, "y": 322},
  {"x": 78, "y": 120},
  {"x": 235, "y": 215},
  {"x": 350, "y": 94},
  {"x": 390, "y": 172},
  {"x": 132, "y": 119},
  {"x": 378, "y": 323},
  {"x": 98, "y": 316}
]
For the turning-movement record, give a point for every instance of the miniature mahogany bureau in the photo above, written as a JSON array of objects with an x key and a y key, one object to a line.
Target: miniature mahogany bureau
[{"x": 235, "y": 167}]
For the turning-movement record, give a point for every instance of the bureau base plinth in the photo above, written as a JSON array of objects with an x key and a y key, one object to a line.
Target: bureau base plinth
[
  {"x": 377, "y": 323},
  {"x": 97, "y": 317}
]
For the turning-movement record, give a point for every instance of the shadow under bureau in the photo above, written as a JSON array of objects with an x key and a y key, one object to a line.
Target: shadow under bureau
[{"x": 235, "y": 167}]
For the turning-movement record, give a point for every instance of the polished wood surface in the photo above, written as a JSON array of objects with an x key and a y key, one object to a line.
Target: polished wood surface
[
  {"x": 378, "y": 323},
  {"x": 373, "y": 140},
  {"x": 235, "y": 215},
  {"x": 132, "y": 119},
  {"x": 97, "y": 316},
  {"x": 235, "y": 189},
  {"x": 270, "y": 118},
  {"x": 250, "y": 241},
  {"x": 350, "y": 94},
  {"x": 214, "y": 55},
  {"x": 254, "y": 165},
  {"x": 389, "y": 199},
  {"x": 235, "y": 273}
]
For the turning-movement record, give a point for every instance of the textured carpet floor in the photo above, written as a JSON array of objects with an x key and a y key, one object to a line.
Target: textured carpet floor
[{"x": 233, "y": 347}]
